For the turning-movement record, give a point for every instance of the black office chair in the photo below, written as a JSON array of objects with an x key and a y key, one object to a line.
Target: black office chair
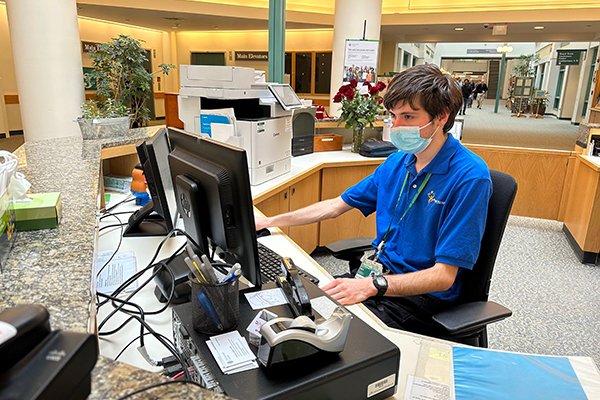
[{"x": 467, "y": 321}]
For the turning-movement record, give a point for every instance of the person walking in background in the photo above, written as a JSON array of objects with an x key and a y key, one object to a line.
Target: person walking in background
[
  {"x": 480, "y": 92},
  {"x": 467, "y": 91},
  {"x": 472, "y": 95}
]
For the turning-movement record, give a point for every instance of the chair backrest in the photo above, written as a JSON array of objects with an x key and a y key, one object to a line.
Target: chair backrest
[{"x": 476, "y": 283}]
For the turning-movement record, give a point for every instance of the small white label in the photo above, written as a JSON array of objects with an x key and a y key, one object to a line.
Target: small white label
[
  {"x": 381, "y": 385},
  {"x": 326, "y": 140},
  {"x": 7, "y": 332}
]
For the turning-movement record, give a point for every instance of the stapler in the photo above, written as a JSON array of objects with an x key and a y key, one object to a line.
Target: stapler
[
  {"x": 294, "y": 289},
  {"x": 289, "y": 339}
]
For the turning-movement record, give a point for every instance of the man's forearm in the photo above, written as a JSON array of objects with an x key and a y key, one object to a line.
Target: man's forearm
[
  {"x": 438, "y": 278},
  {"x": 314, "y": 213}
]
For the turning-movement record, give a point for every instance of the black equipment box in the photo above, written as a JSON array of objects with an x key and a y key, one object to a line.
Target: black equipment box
[{"x": 366, "y": 368}]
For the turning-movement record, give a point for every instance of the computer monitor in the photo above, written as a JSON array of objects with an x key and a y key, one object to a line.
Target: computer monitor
[
  {"x": 214, "y": 199},
  {"x": 158, "y": 217}
]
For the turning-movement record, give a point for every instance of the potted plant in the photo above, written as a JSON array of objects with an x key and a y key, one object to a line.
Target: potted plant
[
  {"x": 122, "y": 87},
  {"x": 360, "y": 106}
]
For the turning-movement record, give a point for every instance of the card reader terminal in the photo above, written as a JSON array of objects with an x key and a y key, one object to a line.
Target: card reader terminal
[{"x": 294, "y": 289}]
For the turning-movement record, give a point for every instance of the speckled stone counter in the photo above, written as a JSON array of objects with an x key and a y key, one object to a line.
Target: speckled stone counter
[{"x": 53, "y": 267}]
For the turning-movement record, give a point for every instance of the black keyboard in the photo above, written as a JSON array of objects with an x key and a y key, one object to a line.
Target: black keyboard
[{"x": 270, "y": 266}]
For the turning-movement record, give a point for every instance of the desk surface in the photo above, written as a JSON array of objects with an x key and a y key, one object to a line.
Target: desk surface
[{"x": 415, "y": 349}]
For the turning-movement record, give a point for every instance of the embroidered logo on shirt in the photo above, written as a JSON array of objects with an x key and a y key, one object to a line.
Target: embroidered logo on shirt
[{"x": 432, "y": 198}]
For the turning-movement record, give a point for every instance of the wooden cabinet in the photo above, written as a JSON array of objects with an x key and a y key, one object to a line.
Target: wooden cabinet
[
  {"x": 352, "y": 224},
  {"x": 296, "y": 196}
]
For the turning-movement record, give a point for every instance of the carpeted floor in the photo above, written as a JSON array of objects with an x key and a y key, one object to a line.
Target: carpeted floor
[
  {"x": 12, "y": 143},
  {"x": 483, "y": 126}
]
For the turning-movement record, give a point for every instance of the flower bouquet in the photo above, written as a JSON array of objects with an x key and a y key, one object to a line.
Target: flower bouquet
[{"x": 360, "y": 106}]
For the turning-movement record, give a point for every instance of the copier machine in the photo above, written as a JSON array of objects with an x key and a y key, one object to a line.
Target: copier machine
[{"x": 236, "y": 106}]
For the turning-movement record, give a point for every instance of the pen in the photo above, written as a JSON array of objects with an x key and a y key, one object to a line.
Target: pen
[
  {"x": 207, "y": 268},
  {"x": 195, "y": 271},
  {"x": 209, "y": 309},
  {"x": 235, "y": 271}
]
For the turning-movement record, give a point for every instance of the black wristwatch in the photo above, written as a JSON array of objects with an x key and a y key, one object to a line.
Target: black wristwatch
[{"x": 380, "y": 283}]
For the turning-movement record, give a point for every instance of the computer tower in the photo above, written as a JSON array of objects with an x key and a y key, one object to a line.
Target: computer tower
[{"x": 303, "y": 131}]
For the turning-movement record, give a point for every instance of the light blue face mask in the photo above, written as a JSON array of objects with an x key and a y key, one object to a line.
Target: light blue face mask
[{"x": 408, "y": 138}]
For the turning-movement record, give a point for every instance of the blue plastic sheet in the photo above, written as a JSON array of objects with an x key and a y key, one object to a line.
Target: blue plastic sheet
[{"x": 491, "y": 375}]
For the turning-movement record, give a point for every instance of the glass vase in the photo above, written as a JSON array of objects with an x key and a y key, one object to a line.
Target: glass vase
[{"x": 357, "y": 138}]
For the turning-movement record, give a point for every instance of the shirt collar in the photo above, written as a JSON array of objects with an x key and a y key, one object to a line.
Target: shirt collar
[{"x": 440, "y": 163}]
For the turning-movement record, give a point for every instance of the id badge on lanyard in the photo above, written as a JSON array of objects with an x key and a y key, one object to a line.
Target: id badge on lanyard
[{"x": 370, "y": 267}]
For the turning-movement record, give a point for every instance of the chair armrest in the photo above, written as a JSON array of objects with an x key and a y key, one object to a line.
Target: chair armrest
[
  {"x": 471, "y": 317},
  {"x": 350, "y": 245}
]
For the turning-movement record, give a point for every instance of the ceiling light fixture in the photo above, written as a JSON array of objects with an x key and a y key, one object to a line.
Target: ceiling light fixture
[
  {"x": 538, "y": 27},
  {"x": 459, "y": 29}
]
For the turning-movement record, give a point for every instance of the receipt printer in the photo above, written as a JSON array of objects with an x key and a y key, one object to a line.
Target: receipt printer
[{"x": 287, "y": 339}]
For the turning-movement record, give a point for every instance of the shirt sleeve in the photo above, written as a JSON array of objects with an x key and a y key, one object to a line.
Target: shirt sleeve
[
  {"x": 460, "y": 234},
  {"x": 363, "y": 195}
]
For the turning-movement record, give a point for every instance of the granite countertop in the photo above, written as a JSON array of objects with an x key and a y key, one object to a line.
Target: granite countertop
[{"x": 53, "y": 267}]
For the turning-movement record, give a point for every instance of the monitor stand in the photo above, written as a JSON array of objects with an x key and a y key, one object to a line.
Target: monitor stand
[{"x": 144, "y": 223}]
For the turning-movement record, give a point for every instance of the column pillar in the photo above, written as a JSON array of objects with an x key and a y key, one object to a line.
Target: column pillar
[
  {"x": 276, "y": 40},
  {"x": 348, "y": 24},
  {"x": 47, "y": 55}
]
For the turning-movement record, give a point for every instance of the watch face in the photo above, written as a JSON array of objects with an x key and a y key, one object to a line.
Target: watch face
[{"x": 380, "y": 281}]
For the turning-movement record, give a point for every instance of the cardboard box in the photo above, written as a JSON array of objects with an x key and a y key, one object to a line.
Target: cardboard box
[
  {"x": 329, "y": 142},
  {"x": 42, "y": 212}
]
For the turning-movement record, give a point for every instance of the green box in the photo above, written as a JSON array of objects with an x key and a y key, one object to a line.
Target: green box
[
  {"x": 42, "y": 212},
  {"x": 7, "y": 228}
]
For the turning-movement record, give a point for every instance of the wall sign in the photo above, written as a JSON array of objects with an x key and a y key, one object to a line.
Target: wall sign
[
  {"x": 88, "y": 82},
  {"x": 568, "y": 57},
  {"x": 360, "y": 60},
  {"x": 252, "y": 55},
  {"x": 86, "y": 47}
]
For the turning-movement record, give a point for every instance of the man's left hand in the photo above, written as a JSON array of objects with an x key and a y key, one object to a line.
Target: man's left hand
[{"x": 350, "y": 291}]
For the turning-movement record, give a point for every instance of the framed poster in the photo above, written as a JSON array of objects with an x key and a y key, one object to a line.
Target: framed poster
[
  {"x": 360, "y": 60},
  {"x": 539, "y": 94}
]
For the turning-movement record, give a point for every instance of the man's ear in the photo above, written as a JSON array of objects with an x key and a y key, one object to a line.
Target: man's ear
[{"x": 443, "y": 118}]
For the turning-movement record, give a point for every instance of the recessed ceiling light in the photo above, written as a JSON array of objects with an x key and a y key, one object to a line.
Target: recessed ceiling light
[
  {"x": 538, "y": 27},
  {"x": 425, "y": 29},
  {"x": 459, "y": 29},
  {"x": 588, "y": 26}
]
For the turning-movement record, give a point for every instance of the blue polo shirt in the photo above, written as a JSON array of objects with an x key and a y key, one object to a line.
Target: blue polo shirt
[{"x": 447, "y": 220}]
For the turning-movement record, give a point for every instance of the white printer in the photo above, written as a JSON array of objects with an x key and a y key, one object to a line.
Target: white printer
[{"x": 234, "y": 105}]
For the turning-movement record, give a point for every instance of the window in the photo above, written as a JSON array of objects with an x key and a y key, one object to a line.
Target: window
[
  {"x": 207, "y": 59},
  {"x": 414, "y": 60},
  {"x": 589, "y": 83},
  {"x": 309, "y": 72},
  {"x": 559, "y": 86},
  {"x": 541, "y": 76},
  {"x": 406, "y": 60}
]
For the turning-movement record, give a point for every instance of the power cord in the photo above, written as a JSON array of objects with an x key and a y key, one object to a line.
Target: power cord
[{"x": 158, "y": 385}]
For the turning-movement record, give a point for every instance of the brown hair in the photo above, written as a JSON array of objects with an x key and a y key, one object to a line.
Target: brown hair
[{"x": 426, "y": 85}]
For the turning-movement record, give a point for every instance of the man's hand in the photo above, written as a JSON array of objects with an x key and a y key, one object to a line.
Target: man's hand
[{"x": 350, "y": 291}]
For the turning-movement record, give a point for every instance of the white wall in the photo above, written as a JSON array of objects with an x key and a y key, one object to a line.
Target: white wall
[{"x": 459, "y": 50}]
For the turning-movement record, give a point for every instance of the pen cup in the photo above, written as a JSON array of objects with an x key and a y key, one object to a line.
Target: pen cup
[{"x": 215, "y": 307}]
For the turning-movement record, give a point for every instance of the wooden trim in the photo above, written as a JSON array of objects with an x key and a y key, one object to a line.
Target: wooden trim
[
  {"x": 117, "y": 151},
  {"x": 506, "y": 149},
  {"x": 315, "y": 168},
  {"x": 587, "y": 160},
  {"x": 11, "y": 99},
  {"x": 159, "y": 95}
]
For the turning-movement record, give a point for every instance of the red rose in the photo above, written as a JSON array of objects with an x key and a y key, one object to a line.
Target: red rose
[
  {"x": 367, "y": 83},
  {"x": 344, "y": 89},
  {"x": 350, "y": 95},
  {"x": 381, "y": 86},
  {"x": 338, "y": 98},
  {"x": 380, "y": 101},
  {"x": 365, "y": 96},
  {"x": 353, "y": 83},
  {"x": 373, "y": 90}
]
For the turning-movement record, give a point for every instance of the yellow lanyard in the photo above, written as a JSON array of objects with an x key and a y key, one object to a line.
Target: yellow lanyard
[{"x": 382, "y": 243}]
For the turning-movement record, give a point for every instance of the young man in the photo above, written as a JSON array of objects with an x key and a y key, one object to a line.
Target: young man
[
  {"x": 480, "y": 91},
  {"x": 431, "y": 201}
]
